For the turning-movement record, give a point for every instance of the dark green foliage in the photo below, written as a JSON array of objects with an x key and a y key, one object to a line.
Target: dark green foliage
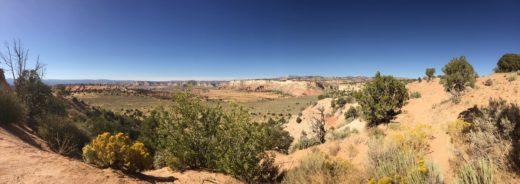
[
  {"x": 322, "y": 96},
  {"x": 148, "y": 131},
  {"x": 101, "y": 120},
  {"x": 277, "y": 138},
  {"x": 34, "y": 94},
  {"x": 61, "y": 135},
  {"x": 508, "y": 63},
  {"x": 340, "y": 101},
  {"x": 382, "y": 99},
  {"x": 299, "y": 119},
  {"x": 11, "y": 110},
  {"x": 430, "y": 73},
  {"x": 458, "y": 74},
  {"x": 196, "y": 135},
  {"x": 352, "y": 113}
]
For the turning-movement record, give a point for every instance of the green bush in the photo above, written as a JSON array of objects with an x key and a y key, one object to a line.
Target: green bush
[
  {"x": 508, "y": 63},
  {"x": 304, "y": 142},
  {"x": 11, "y": 110},
  {"x": 475, "y": 172},
  {"x": 352, "y": 113},
  {"x": 319, "y": 168},
  {"x": 201, "y": 136},
  {"x": 61, "y": 135},
  {"x": 430, "y": 73},
  {"x": 415, "y": 94},
  {"x": 340, "y": 102},
  {"x": 117, "y": 152},
  {"x": 99, "y": 121},
  {"x": 299, "y": 119},
  {"x": 458, "y": 74},
  {"x": 322, "y": 96},
  {"x": 148, "y": 131},
  {"x": 382, "y": 99},
  {"x": 276, "y": 137}
]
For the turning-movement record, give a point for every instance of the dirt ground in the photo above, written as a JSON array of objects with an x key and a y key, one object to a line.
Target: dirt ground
[{"x": 22, "y": 161}]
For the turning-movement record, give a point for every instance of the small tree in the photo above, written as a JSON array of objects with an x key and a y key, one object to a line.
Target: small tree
[
  {"x": 458, "y": 74},
  {"x": 318, "y": 125},
  {"x": 430, "y": 73},
  {"x": 201, "y": 136},
  {"x": 34, "y": 94},
  {"x": 508, "y": 63},
  {"x": 382, "y": 99}
]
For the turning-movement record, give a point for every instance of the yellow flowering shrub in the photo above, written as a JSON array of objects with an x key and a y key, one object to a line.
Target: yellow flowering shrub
[
  {"x": 457, "y": 127},
  {"x": 414, "y": 137},
  {"x": 118, "y": 152}
]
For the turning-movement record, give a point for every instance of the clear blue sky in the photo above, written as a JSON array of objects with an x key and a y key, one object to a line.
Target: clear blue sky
[{"x": 218, "y": 39}]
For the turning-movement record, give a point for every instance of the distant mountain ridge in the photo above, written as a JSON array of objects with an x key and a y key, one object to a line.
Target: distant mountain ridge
[{"x": 192, "y": 82}]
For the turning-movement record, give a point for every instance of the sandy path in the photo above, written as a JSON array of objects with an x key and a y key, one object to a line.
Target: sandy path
[
  {"x": 435, "y": 109},
  {"x": 424, "y": 110}
]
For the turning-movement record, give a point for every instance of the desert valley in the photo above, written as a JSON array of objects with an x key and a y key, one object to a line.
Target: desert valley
[
  {"x": 438, "y": 127},
  {"x": 271, "y": 91}
]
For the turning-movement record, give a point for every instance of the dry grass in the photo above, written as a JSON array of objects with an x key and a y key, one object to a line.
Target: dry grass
[{"x": 239, "y": 96}]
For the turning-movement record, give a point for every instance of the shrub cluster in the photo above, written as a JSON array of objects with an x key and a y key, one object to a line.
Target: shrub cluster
[
  {"x": 492, "y": 134},
  {"x": 61, "y": 135},
  {"x": 11, "y": 110},
  {"x": 118, "y": 152},
  {"x": 304, "y": 142},
  {"x": 390, "y": 163},
  {"x": 382, "y": 99},
  {"x": 98, "y": 121},
  {"x": 415, "y": 94},
  {"x": 352, "y": 113},
  {"x": 193, "y": 135},
  {"x": 36, "y": 96},
  {"x": 508, "y": 63},
  {"x": 340, "y": 133},
  {"x": 340, "y": 102},
  {"x": 319, "y": 168}
]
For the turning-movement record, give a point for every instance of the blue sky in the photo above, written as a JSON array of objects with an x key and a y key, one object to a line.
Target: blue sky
[{"x": 221, "y": 39}]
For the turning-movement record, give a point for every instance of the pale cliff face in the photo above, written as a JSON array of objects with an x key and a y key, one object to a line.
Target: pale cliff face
[{"x": 296, "y": 88}]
